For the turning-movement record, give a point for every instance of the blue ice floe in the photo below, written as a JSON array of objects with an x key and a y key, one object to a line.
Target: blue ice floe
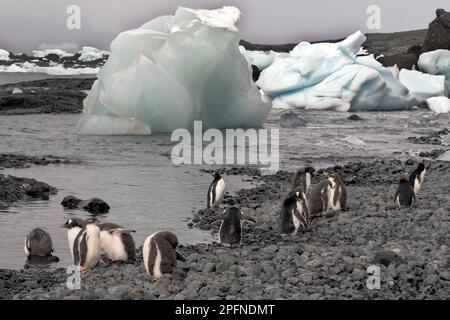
[{"x": 174, "y": 70}]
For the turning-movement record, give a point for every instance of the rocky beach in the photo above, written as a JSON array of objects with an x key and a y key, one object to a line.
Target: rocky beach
[{"x": 328, "y": 260}]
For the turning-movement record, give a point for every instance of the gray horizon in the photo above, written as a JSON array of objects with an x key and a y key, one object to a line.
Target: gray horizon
[{"x": 27, "y": 25}]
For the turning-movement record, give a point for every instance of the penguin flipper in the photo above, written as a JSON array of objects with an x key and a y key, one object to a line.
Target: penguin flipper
[
  {"x": 397, "y": 192},
  {"x": 121, "y": 230}
]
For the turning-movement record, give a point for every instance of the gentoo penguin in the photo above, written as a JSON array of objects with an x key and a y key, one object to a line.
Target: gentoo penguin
[
  {"x": 86, "y": 247},
  {"x": 404, "y": 196},
  {"x": 160, "y": 254},
  {"x": 337, "y": 194},
  {"x": 303, "y": 179},
  {"x": 73, "y": 226},
  {"x": 117, "y": 242},
  {"x": 38, "y": 244},
  {"x": 318, "y": 198},
  {"x": 416, "y": 177},
  {"x": 230, "y": 231},
  {"x": 294, "y": 212},
  {"x": 216, "y": 191}
]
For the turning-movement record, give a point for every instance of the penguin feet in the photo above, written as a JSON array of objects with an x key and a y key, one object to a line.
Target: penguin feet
[{"x": 84, "y": 269}]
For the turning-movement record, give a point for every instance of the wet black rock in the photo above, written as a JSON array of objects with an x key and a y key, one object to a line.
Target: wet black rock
[
  {"x": 438, "y": 35},
  {"x": 355, "y": 117},
  {"x": 70, "y": 202},
  {"x": 10, "y": 160},
  {"x": 433, "y": 154},
  {"x": 434, "y": 138},
  {"x": 63, "y": 95},
  {"x": 402, "y": 60},
  {"x": 290, "y": 120},
  {"x": 93, "y": 205},
  {"x": 14, "y": 189},
  {"x": 255, "y": 73}
]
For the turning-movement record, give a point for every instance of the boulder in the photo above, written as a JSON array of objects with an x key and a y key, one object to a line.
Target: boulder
[
  {"x": 291, "y": 120},
  {"x": 438, "y": 35}
]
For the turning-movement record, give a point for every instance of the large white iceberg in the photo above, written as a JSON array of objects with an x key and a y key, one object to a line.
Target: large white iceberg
[
  {"x": 91, "y": 54},
  {"x": 436, "y": 62},
  {"x": 261, "y": 59},
  {"x": 333, "y": 76},
  {"x": 423, "y": 85},
  {"x": 4, "y": 55},
  {"x": 177, "y": 69}
]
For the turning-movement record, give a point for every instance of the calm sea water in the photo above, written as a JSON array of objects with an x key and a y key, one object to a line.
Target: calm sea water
[{"x": 147, "y": 193}]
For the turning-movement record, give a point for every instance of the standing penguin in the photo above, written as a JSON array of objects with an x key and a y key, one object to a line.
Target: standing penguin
[
  {"x": 337, "y": 194},
  {"x": 73, "y": 226},
  {"x": 216, "y": 191},
  {"x": 303, "y": 178},
  {"x": 230, "y": 231},
  {"x": 117, "y": 242},
  {"x": 404, "y": 196},
  {"x": 38, "y": 244},
  {"x": 318, "y": 198},
  {"x": 86, "y": 247},
  {"x": 416, "y": 177},
  {"x": 160, "y": 254},
  {"x": 294, "y": 212}
]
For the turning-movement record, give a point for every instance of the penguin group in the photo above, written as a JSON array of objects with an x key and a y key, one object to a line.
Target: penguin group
[{"x": 302, "y": 202}]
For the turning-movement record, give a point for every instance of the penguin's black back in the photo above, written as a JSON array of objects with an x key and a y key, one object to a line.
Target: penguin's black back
[
  {"x": 230, "y": 229},
  {"x": 39, "y": 243},
  {"x": 286, "y": 223},
  {"x": 127, "y": 239},
  {"x": 165, "y": 242},
  {"x": 405, "y": 194}
]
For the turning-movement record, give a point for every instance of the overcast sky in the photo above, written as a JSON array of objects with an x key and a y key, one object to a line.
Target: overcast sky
[{"x": 28, "y": 24}]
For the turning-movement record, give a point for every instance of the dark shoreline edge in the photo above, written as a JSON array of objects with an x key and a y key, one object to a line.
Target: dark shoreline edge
[{"x": 328, "y": 261}]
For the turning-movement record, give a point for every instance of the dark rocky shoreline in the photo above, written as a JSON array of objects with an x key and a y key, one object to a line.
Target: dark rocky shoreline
[{"x": 327, "y": 261}]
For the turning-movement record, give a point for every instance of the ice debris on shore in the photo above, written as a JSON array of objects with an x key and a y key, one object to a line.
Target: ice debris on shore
[
  {"x": 436, "y": 62},
  {"x": 177, "y": 69},
  {"x": 439, "y": 104},
  {"x": 4, "y": 55},
  {"x": 55, "y": 70},
  {"x": 333, "y": 76}
]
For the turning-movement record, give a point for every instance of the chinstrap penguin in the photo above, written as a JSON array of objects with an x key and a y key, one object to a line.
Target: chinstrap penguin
[
  {"x": 216, "y": 191},
  {"x": 160, "y": 254}
]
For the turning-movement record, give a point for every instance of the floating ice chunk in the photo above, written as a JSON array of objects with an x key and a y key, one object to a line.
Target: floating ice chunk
[
  {"x": 111, "y": 125},
  {"x": 355, "y": 141},
  {"x": 436, "y": 62},
  {"x": 331, "y": 76},
  {"x": 17, "y": 91},
  {"x": 422, "y": 85},
  {"x": 44, "y": 53},
  {"x": 56, "y": 70},
  {"x": 261, "y": 59},
  {"x": 439, "y": 104},
  {"x": 4, "y": 55},
  {"x": 168, "y": 79},
  {"x": 91, "y": 54}
]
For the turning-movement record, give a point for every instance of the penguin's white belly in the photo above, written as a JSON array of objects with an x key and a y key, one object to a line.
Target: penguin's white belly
[
  {"x": 27, "y": 252},
  {"x": 220, "y": 192},
  {"x": 416, "y": 186},
  {"x": 331, "y": 205},
  {"x": 145, "y": 252},
  {"x": 71, "y": 235},
  {"x": 112, "y": 244},
  {"x": 93, "y": 246},
  {"x": 157, "y": 266},
  {"x": 308, "y": 181}
]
